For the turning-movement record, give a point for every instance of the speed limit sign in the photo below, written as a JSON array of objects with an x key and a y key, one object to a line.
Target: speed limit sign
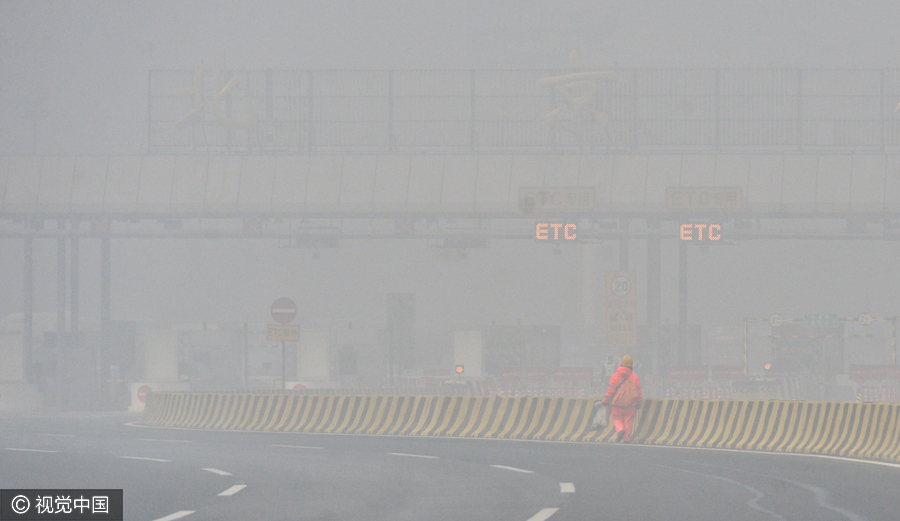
[
  {"x": 865, "y": 319},
  {"x": 621, "y": 286},
  {"x": 775, "y": 320}
]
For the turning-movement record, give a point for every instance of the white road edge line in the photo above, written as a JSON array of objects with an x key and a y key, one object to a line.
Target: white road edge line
[
  {"x": 567, "y": 488},
  {"x": 29, "y": 450},
  {"x": 412, "y": 455},
  {"x": 170, "y": 441},
  {"x": 514, "y": 469},
  {"x": 637, "y": 446},
  {"x": 217, "y": 471},
  {"x": 761, "y": 452},
  {"x": 295, "y": 446},
  {"x": 543, "y": 515},
  {"x": 149, "y": 459},
  {"x": 230, "y": 491},
  {"x": 56, "y": 435},
  {"x": 176, "y": 515}
]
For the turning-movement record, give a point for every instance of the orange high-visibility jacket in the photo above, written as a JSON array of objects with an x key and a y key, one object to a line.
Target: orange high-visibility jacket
[{"x": 618, "y": 378}]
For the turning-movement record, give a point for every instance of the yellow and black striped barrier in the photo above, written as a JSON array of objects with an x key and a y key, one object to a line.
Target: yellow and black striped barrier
[
  {"x": 562, "y": 419},
  {"x": 860, "y": 430}
]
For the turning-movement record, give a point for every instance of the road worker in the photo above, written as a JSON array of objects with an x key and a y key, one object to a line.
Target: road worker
[{"x": 625, "y": 397}]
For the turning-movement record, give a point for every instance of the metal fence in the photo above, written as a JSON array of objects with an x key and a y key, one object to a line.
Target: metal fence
[{"x": 403, "y": 111}]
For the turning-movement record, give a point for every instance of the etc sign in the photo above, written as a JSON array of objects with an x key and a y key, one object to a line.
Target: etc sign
[{"x": 690, "y": 231}]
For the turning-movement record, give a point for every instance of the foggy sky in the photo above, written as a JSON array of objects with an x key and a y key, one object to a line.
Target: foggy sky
[{"x": 90, "y": 60}]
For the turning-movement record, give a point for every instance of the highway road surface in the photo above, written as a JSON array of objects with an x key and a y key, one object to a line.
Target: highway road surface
[{"x": 169, "y": 474}]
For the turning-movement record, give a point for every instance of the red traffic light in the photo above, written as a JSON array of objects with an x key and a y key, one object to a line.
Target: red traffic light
[
  {"x": 768, "y": 366},
  {"x": 460, "y": 369}
]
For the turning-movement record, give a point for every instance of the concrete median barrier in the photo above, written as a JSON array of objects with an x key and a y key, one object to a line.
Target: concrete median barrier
[
  {"x": 563, "y": 419},
  {"x": 859, "y": 430},
  {"x": 870, "y": 431}
]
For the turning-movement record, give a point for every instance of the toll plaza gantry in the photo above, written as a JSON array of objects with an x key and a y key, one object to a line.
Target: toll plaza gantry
[
  {"x": 320, "y": 201},
  {"x": 324, "y": 157}
]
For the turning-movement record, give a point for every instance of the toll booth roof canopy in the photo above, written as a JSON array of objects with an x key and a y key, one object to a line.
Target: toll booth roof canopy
[{"x": 452, "y": 183}]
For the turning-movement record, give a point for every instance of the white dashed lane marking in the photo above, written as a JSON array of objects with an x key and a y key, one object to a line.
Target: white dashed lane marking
[
  {"x": 543, "y": 515},
  {"x": 168, "y": 441},
  {"x": 29, "y": 450},
  {"x": 230, "y": 491},
  {"x": 295, "y": 446},
  {"x": 147, "y": 459},
  {"x": 412, "y": 455},
  {"x": 567, "y": 488},
  {"x": 56, "y": 435},
  {"x": 219, "y": 472},
  {"x": 176, "y": 515},
  {"x": 514, "y": 469}
]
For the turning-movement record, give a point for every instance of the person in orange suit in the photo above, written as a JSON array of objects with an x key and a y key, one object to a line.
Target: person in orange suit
[{"x": 625, "y": 396}]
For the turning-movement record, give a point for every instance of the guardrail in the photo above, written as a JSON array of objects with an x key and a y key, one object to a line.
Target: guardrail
[{"x": 860, "y": 430}]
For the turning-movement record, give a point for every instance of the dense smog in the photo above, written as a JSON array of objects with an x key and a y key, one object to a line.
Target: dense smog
[{"x": 497, "y": 260}]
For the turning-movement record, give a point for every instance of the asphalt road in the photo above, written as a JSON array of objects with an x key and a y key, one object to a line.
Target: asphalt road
[{"x": 198, "y": 475}]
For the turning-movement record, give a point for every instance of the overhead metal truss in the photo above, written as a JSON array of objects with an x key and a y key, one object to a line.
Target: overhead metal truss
[{"x": 216, "y": 110}]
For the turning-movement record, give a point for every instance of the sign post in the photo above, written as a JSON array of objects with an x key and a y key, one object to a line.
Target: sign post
[{"x": 284, "y": 310}]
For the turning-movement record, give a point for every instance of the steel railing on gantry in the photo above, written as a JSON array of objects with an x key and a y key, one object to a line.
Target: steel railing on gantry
[{"x": 522, "y": 111}]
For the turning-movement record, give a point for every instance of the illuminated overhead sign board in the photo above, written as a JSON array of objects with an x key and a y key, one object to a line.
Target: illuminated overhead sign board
[
  {"x": 556, "y": 231},
  {"x": 726, "y": 198},
  {"x": 571, "y": 199},
  {"x": 701, "y": 232}
]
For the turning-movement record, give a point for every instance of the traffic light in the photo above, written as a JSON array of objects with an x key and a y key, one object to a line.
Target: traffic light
[{"x": 460, "y": 369}]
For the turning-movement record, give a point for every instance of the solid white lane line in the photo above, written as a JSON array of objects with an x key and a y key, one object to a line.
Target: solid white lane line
[
  {"x": 176, "y": 515},
  {"x": 412, "y": 455},
  {"x": 742, "y": 451},
  {"x": 514, "y": 469},
  {"x": 543, "y": 515},
  {"x": 567, "y": 488},
  {"x": 295, "y": 446},
  {"x": 170, "y": 441},
  {"x": 625, "y": 446},
  {"x": 230, "y": 491},
  {"x": 56, "y": 435},
  {"x": 219, "y": 472},
  {"x": 29, "y": 450},
  {"x": 146, "y": 459}
]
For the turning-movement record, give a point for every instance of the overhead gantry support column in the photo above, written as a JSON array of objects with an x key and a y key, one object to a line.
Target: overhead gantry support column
[
  {"x": 28, "y": 312},
  {"x": 104, "y": 311},
  {"x": 682, "y": 300},
  {"x": 60, "y": 289},
  {"x": 653, "y": 298},
  {"x": 73, "y": 284},
  {"x": 55, "y": 359}
]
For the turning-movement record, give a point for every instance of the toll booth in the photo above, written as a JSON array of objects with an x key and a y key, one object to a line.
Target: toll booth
[
  {"x": 520, "y": 346},
  {"x": 680, "y": 346},
  {"x": 799, "y": 349}
]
